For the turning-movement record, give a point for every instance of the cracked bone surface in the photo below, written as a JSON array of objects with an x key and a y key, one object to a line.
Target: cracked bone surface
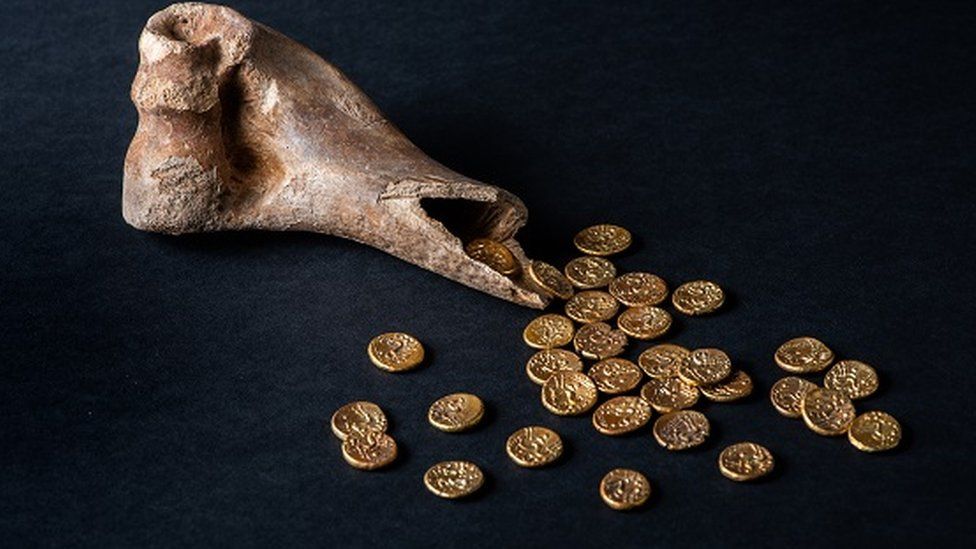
[{"x": 242, "y": 128}]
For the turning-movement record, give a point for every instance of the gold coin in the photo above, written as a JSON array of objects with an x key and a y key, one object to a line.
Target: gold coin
[
  {"x": 853, "y": 378},
  {"x": 534, "y": 446},
  {"x": 874, "y": 432},
  {"x": 669, "y": 394},
  {"x": 590, "y": 272},
  {"x": 591, "y": 306},
  {"x": 357, "y": 417},
  {"x": 615, "y": 375},
  {"x": 736, "y": 386},
  {"x": 745, "y": 461},
  {"x": 621, "y": 414},
  {"x": 788, "y": 393},
  {"x": 494, "y": 254},
  {"x": 827, "y": 412},
  {"x": 568, "y": 393},
  {"x": 548, "y": 331},
  {"x": 395, "y": 352},
  {"x": 705, "y": 367},
  {"x": 661, "y": 361},
  {"x": 550, "y": 279},
  {"x": 698, "y": 297},
  {"x": 369, "y": 450},
  {"x": 454, "y": 479},
  {"x": 633, "y": 289},
  {"x": 644, "y": 322},
  {"x": 456, "y": 412},
  {"x": 602, "y": 239},
  {"x": 624, "y": 489},
  {"x": 546, "y": 362},
  {"x": 681, "y": 430},
  {"x": 598, "y": 341},
  {"x": 803, "y": 355}
]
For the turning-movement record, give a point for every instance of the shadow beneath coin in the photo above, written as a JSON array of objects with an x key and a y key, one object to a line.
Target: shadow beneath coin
[
  {"x": 401, "y": 461},
  {"x": 730, "y": 304},
  {"x": 780, "y": 466}
]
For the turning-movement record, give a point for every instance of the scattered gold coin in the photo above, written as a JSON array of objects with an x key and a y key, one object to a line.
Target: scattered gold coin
[
  {"x": 546, "y": 362},
  {"x": 745, "y": 461},
  {"x": 454, "y": 479},
  {"x": 591, "y": 306},
  {"x": 634, "y": 289},
  {"x": 803, "y": 355},
  {"x": 602, "y": 239},
  {"x": 550, "y": 279},
  {"x": 874, "y": 432},
  {"x": 615, "y": 375},
  {"x": 569, "y": 393},
  {"x": 705, "y": 367},
  {"x": 369, "y": 450},
  {"x": 698, "y": 297},
  {"x": 644, "y": 322},
  {"x": 736, "y": 386},
  {"x": 494, "y": 254},
  {"x": 788, "y": 393},
  {"x": 621, "y": 414},
  {"x": 456, "y": 412},
  {"x": 624, "y": 489},
  {"x": 827, "y": 412},
  {"x": 357, "y": 417},
  {"x": 853, "y": 378},
  {"x": 395, "y": 352},
  {"x": 590, "y": 272},
  {"x": 598, "y": 341},
  {"x": 669, "y": 394},
  {"x": 661, "y": 361},
  {"x": 534, "y": 446},
  {"x": 681, "y": 430},
  {"x": 548, "y": 331}
]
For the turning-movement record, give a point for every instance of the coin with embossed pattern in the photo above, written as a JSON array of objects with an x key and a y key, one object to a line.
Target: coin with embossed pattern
[
  {"x": 494, "y": 254},
  {"x": 569, "y": 393},
  {"x": 634, "y": 289},
  {"x": 853, "y": 378},
  {"x": 604, "y": 239},
  {"x": 534, "y": 446},
  {"x": 395, "y": 352},
  {"x": 661, "y": 361},
  {"x": 745, "y": 461},
  {"x": 669, "y": 394},
  {"x": 369, "y": 450},
  {"x": 454, "y": 479},
  {"x": 546, "y": 362},
  {"x": 615, "y": 375},
  {"x": 705, "y": 367},
  {"x": 550, "y": 279},
  {"x": 874, "y": 432},
  {"x": 621, "y": 414},
  {"x": 590, "y": 272},
  {"x": 803, "y": 355},
  {"x": 548, "y": 331},
  {"x": 644, "y": 322},
  {"x": 591, "y": 306},
  {"x": 623, "y": 489},
  {"x": 787, "y": 394},
  {"x": 357, "y": 417},
  {"x": 736, "y": 386},
  {"x": 698, "y": 297},
  {"x": 827, "y": 412},
  {"x": 681, "y": 430},
  {"x": 456, "y": 412},
  {"x": 598, "y": 340}
]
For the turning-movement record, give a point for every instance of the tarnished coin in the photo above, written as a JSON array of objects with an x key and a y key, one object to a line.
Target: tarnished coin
[
  {"x": 681, "y": 430},
  {"x": 853, "y": 378},
  {"x": 494, "y": 254},
  {"x": 598, "y": 341},
  {"x": 736, "y": 386},
  {"x": 550, "y": 279},
  {"x": 874, "y": 432},
  {"x": 698, "y": 297},
  {"x": 454, "y": 479},
  {"x": 357, "y": 417},
  {"x": 621, "y": 414},
  {"x": 395, "y": 352},
  {"x": 602, "y": 239},
  {"x": 456, "y": 412},
  {"x": 369, "y": 450},
  {"x": 534, "y": 446},
  {"x": 634, "y": 289},
  {"x": 705, "y": 367},
  {"x": 590, "y": 272},
  {"x": 803, "y": 355},
  {"x": 787, "y": 394},
  {"x": 745, "y": 461},
  {"x": 623, "y": 489},
  {"x": 568, "y": 393},
  {"x": 644, "y": 322},
  {"x": 591, "y": 306},
  {"x": 827, "y": 412},
  {"x": 548, "y": 331},
  {"x": 669, "y": 394},
  {"x": 661, "y": 361},
  {"x": 546, "y": 362},
  {"x": 615, "y": 375}
]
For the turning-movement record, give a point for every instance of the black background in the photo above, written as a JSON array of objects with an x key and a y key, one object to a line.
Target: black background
[{"x": 814, "y": 158}]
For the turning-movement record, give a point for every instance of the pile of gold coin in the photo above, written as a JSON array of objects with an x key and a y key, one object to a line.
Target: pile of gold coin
[
  {"x": 828, "y": 409},
  {"x": 361, "y": 426}
]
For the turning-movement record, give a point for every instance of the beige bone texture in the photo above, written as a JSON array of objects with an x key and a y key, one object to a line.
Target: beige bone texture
[{"x": 242, "y": 128}]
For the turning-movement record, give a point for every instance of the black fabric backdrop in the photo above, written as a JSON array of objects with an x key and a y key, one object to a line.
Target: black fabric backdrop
[{"x": 814, "y": 158}]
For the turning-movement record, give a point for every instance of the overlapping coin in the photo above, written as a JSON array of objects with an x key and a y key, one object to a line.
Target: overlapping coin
[
  {"x": 357, "y": 417},
  {"x": 644, "y": 322},
  {"x": 550, "y": 279},
  {"x": 591, "y": 306},
  {"x": 827, "y": 412},
  {"x": 661, "y": 361},
  {"x": 737, "y": 385},
  {"x": 669, "y": 394},
  {"x": 494, "y": 254},
  {"x": 615, "y": 375},
  {"x": 788, "y": 393},
  {"x": 369, "y": 450},
  {"x": 705, "y": 367},
  {"x": 569, "y": 393},
  {"x": 681, "y": 430},
  {"x": 546, "y": 362},
  {"x": 853, "y": 378},
  {"x": 598, "y": 341}
]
